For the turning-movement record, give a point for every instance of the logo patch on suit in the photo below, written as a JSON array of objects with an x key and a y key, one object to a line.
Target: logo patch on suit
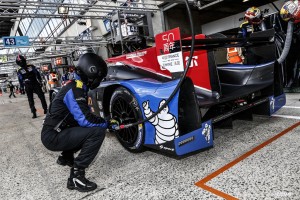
[
  {"x": 29, "y": 69},
  {"x": 79, "y": 84},
  {"x": 22, "y": 71}
]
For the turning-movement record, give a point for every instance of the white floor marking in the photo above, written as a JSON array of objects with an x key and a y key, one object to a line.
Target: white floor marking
[
  {"x": 297, "y": 107},
  {"x": 287, "y": 116}
]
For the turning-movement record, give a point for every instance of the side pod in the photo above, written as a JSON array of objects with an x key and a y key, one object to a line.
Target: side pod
[{"x": 177, "y": 129}]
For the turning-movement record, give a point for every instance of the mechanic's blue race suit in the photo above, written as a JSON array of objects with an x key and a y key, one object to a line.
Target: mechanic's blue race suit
[{"x": 79, "y": 129}]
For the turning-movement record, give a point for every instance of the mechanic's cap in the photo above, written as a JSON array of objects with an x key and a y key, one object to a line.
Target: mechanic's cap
[{"x": 92, "y": 66}]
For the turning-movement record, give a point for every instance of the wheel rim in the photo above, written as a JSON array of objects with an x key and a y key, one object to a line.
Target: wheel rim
[{"x": 126, "y": 113}]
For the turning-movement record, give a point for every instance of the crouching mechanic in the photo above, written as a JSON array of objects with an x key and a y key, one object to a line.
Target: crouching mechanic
[{"x": 70, "y": 126}]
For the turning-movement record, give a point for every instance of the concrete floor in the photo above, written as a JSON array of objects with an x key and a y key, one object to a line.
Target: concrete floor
[{"x": 29, "y": 171}]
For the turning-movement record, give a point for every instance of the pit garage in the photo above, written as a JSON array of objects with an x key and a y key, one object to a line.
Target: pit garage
[{"x": 199, "y": 99}]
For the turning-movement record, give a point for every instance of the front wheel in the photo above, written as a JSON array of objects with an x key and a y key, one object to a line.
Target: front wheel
[{"x": 124, "y": 106}]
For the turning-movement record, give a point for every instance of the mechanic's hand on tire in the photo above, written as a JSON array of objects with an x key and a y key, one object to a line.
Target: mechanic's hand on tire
[{"x": 113, "y": 124}]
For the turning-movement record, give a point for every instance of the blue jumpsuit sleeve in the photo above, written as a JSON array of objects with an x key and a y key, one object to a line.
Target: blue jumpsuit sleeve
[
  {"x": 20, "y": 78},
  {"x": 77, "y": 105}
]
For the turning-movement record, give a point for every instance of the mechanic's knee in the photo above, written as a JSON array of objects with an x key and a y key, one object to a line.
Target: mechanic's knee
[{"x": 98, "y": 132}]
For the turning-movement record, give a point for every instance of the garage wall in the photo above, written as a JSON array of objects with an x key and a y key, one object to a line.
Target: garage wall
[
  {"x": 178, "y": 17},
  {"x": 235, "y": 21},
  {"x": 74, "y": 30},
  {"x": 100, "y": 31},
  {"x": 156, "y": 19}
]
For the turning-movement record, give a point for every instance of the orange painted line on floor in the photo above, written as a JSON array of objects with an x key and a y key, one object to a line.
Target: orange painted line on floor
[{"x": 202, "y": 182}]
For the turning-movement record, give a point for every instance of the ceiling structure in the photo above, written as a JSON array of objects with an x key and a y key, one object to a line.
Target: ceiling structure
[
  {"x": 41, "y": 22},
  {"x": 211, "y": 10},
  {"x": 6, "y": 22}
]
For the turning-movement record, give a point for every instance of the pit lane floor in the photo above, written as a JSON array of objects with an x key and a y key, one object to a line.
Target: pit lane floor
[{"x": 28, "y": 170}]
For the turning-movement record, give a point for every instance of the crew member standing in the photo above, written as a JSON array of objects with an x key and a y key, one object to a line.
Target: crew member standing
[
  {"x": 53, "y": 80},
  {"x": 254, "y": 22},
  {"x": 31, "y": 79},
  {"x": 11, "y": 88},
  {"x": 70, "y": 126}
]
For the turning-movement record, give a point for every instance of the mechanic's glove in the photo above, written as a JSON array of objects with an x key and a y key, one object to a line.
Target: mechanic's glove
[{"x": 113, "y": 123}]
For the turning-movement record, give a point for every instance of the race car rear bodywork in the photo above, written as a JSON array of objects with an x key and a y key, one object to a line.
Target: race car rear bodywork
[{"x": 210, "y": 96}]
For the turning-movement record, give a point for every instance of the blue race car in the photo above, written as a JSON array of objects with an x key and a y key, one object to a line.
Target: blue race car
[{"x": 139, "y": 83}]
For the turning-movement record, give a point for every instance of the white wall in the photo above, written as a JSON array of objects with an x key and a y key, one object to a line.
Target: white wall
[
  {"x": 74, "y": 30},
  {"x": 156, "y": 19},
  {"x": 235, "y": 21}
]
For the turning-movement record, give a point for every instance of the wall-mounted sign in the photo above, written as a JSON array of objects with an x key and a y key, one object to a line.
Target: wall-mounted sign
[
  {"x": 16, "y": 41},
  {"x": 60, "y": 61},
  {"x": 107, "y": 24},
  {"x": 46, "y": 67}
]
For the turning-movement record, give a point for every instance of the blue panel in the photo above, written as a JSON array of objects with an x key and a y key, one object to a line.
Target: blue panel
[
  {"x": 16, "y": 41},
  {"x": 153, "y": 93},
  {"x": 276, "y": 103},
  {"x": 199, "y": 139}
]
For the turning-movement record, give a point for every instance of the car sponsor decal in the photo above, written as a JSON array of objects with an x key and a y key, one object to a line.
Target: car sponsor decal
[{"x": 165, "y": 123}]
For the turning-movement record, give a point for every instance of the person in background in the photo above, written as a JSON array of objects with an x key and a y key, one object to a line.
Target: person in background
[
  {"x": 53, "y": 79},
  {"x": 71, "y": 73},
  {"x": 11, "y": 88},
  {"x": 254, "y": 21},
  {"x": 31, "y": 80},
  {"x": 235, "y": 55},
  {"x": 290, "y": 11}
]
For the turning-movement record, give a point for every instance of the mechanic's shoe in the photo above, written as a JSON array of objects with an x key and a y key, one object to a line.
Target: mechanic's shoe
[
  {"x": 61, "y": 160},
  {"x": 34, "y": 116},
  {"x": 77, "y": 181}
]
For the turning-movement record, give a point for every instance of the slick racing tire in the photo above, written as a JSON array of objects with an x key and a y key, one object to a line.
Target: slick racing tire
[{"x": 124, "y": 106}]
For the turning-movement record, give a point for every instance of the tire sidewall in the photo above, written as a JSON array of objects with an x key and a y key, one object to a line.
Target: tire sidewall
[{"x": 122, "y": 92}]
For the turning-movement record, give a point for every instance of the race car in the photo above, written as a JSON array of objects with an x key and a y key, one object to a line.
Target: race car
[{"x": 210, "y": 96}]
